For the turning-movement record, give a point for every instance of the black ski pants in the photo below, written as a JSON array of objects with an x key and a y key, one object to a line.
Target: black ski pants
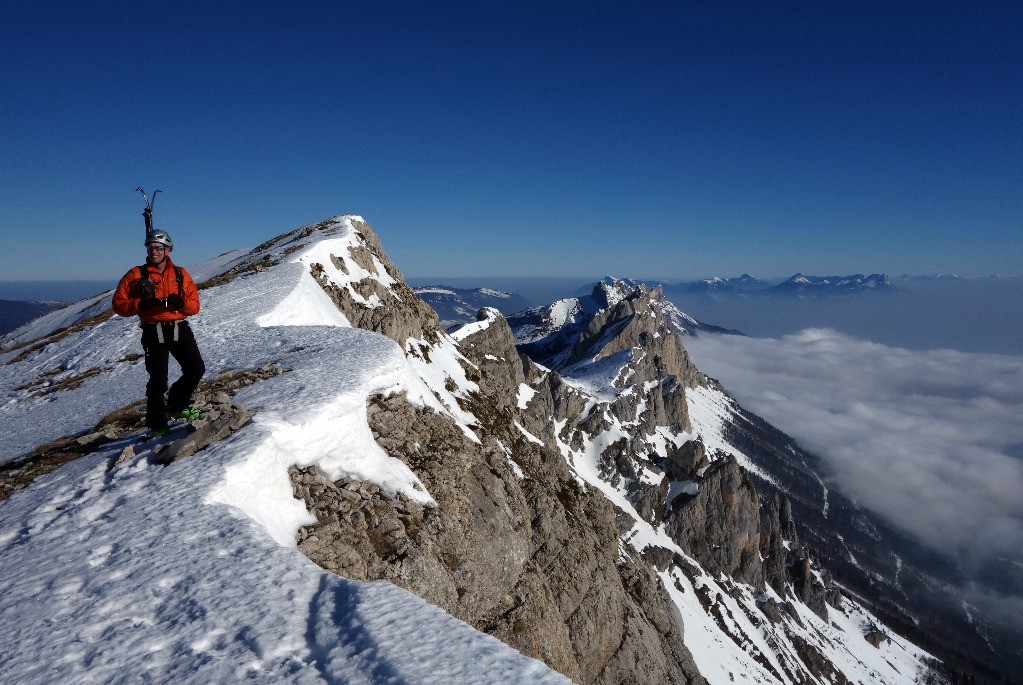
[{"x": 186, "y": 354}]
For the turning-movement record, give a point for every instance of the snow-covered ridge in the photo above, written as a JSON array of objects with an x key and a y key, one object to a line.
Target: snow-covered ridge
[{"x": 188, "y": 572}]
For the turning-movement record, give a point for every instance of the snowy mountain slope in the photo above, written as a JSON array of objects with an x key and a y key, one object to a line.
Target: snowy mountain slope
[
  {"x": 582, "y": 514},
  {"x": 873, "y": 561},
  {"x": 910, "y": 587},
  {"x": 907, "y": 585},
  {"x": 140, "y": 572},
  {"x": 727, "y": 629},
  {"x": 617, "y": 454}
]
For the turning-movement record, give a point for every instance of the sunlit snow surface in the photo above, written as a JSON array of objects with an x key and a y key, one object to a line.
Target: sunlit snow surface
[{"x": 140, "y": 573}]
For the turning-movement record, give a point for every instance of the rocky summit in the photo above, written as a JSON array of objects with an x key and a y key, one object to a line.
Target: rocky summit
[{"x": 564, "y": 480}]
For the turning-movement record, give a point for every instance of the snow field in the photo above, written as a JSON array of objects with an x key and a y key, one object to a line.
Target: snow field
[{"x": 130, "y": 576}]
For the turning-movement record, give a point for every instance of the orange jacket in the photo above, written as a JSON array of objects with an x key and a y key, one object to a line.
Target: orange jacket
[{"x": 127, "y": 296}]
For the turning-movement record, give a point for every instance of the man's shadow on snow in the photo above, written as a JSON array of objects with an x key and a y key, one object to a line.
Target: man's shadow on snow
[{"x": 338, "y": 637}]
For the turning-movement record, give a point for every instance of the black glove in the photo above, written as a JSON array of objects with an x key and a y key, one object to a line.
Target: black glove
[
  {"x": 175, "y": 302},
  {"x": 144, "y": 288},
  {"x": 149, "y": 303}
]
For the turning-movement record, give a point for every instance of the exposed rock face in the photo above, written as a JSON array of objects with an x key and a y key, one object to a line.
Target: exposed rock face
[
  {"x": 626, "y": 329},
  {"x": 720, "y": 525},
  {"x": 445, "y": 554},
  {"x": 533, "y": 559},
  {"x": 517, "y": 546},
  {"x": 617, "y": 612},
  {"x": 400, "y": 314},
  {"x": 716, "y": 513}
]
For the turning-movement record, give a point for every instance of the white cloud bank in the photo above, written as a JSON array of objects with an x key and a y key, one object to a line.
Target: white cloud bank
[{"x": 932, "y": 440}]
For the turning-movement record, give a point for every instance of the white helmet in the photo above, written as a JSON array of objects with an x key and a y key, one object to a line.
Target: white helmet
[{"x": 159, "y": 236}]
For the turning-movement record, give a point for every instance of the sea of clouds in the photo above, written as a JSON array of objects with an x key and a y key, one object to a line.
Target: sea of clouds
[{"x": 932, "y": 440}]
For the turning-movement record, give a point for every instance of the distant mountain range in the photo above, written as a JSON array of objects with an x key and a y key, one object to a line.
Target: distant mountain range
[
  {"x": 817, "y": 286},
  {"x": 459, "y": 305},
  {"x": 823, "y": 286},
  {"x": 742, "y": 284},
  {"x": 931, "y": 278},
  {"x": 796, "y": 286}
]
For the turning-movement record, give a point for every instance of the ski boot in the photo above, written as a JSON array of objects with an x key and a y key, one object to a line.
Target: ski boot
[{"x": 188, "y": 413}]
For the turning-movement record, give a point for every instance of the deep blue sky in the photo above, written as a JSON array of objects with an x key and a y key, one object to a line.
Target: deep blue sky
[{"x": 652, "y": 139}]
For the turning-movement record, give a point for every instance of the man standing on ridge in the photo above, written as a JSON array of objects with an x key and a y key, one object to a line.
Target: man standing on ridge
[{"x": 163, "y": 295}]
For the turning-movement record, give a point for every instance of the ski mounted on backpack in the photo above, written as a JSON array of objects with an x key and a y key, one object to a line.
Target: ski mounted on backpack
[
  {"x": 144, "y": 285},
  {"x": 147, "y": 213}
]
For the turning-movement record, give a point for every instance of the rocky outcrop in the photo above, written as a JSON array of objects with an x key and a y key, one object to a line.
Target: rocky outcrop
[
  {"x": 616, "y": 610},
  {"x": 623, "y": 333},
  {"x": 445, "y": 554},
  {"x": 720, "y": 524},
  {"x": 220, "y": 418},
  {"x": 398, "y": 312},
  {"x": 515, "y": 546}
]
